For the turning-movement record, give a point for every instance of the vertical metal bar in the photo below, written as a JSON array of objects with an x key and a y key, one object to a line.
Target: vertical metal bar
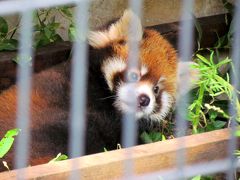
[
  {"x": 235, "y": 82},
  {"x": 79, "y": 84},
  {"x": 129, "y": 133},
  {"x": 24, "y": 91},
  {"x": 185, "y": 51}
]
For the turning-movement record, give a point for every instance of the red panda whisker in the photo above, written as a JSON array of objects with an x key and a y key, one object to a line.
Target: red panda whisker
[{"x": 113, "y": 96}]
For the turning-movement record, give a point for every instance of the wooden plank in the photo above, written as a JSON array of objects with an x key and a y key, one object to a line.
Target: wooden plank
[
  {"x": 148, "y": 158},
  {"x": 212, "y": 27}
]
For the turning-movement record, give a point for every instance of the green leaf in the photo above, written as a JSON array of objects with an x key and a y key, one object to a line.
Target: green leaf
[
  {"x": 203, "y": 59},
  {"x": 146, "y": 138},
  {"x": 25, "y": 60},
  {"x": 237, "y": 133},
  {"x": 211, "y": 57},
  {"x": 225, "y": 61},
  {"x": 163, "y": 138},
  {"x": 56, "y": 38},
  {"x": 219, "y": 124},
  {"x": 41, "y": 40},
  {"x": 221, "y": 42},
  {"x": 53, "y": 26},
  {"x": 48, "y": 32},
  {"x": 155, "y": 136},
  {"x": 196, "y": 177},
  {"x": 66, "y": 11},
  {"x": 152, "y": 137},
  {"x": 8, "y": 45},
  {"x": 199, "y": 30},
  {"x": 213, "y": 115},
  {"x": 72, "y": 34},
  {"x": 3, "y": 27},
  {"x": 7, "y": 141},
  {"x": 59, "y": 157}
]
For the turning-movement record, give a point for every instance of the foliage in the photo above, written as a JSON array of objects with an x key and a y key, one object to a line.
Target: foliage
[
  {"x": 200, "y": 177},
  {"x": 45, "y": 25},
  {"x": 7, "y": 141},
  {"x": 206, "y": 110},
  {"x": 59, "y": 157},
  {"x": 45, "y": 29},
  {"x": 152, "y": 137},
  {"x": 226, "y": 40},
  {"x": 7, "y": 42}
]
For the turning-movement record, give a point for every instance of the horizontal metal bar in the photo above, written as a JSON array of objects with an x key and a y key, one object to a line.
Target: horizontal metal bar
[{"x": 16, "y": 6}]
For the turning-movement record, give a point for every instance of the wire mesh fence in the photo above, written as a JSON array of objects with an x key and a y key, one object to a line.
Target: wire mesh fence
[{"x": 78, "y": 94}]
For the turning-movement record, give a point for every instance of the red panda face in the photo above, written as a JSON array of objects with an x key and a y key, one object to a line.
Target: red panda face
[
  {"x": 153, "y": 83},
  {"x": 153, "y": 102},
  {"x": 154, "y": 98}
]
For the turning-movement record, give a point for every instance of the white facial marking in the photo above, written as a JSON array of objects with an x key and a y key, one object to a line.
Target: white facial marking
[
  {"x": 110, "y": 67},
  {"x": 166, "y": 102},
  {"x": 144, "y": 70},
  {"x": 128, "y": 91},
  {"x": 124, "y": 99}
]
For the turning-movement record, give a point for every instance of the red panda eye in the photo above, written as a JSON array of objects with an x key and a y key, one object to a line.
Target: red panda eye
[
  {"x": 133, "y": 77},
  {"x": 156, "y": 90},
  {"x": 122, "y": 42}
]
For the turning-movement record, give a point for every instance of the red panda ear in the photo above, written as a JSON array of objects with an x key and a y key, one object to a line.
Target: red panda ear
[
  {"x": 186, "y": 73},
  {"x": 118, "y": 30}
]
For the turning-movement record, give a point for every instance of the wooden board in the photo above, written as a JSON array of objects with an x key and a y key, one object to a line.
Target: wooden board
[
  {"x": 148, "y": 158},
  {"x": 44, "y": 57}
]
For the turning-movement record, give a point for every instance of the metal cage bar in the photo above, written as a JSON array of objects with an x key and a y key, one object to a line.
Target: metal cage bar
[
  {"x": 235, "y": 74},
  {"x": 185, "y": 50},
  {"x": 24, "y": 90},
  {"x": 129, "y": 128},
  {"x": 79, "y": 84},
  {"x": 79, "y": 76}
]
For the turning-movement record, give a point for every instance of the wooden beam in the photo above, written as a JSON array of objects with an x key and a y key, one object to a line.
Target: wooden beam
[
  {"x": 148, "y": 158},
  {"x": 44, "y": 57}
]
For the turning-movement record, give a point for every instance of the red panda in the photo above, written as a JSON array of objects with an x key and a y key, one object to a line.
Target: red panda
[
  {"x": 108, "y": 54},
  {"x": 156, "y": 86}
]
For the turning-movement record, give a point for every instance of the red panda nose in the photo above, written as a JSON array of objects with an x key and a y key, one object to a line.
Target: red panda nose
[{"x": 143, "y": 100}]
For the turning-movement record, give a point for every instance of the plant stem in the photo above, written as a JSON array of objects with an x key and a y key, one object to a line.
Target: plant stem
[{"x": 198, "y": 109}]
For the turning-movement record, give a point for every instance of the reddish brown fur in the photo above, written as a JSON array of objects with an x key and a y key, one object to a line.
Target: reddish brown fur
[
  {"x": 50, "y": 98},
  {"x": 161, "y": 59},
  {"x": 39, "y": 104},
  {"x": 158, "y": 54}
]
